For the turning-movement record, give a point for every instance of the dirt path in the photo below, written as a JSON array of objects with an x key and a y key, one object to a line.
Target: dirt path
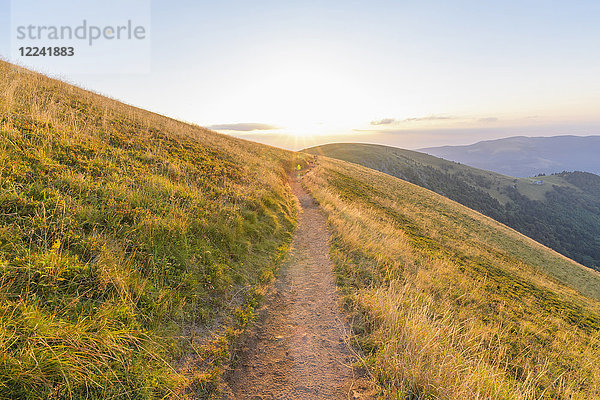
[{"x": 298, "y": 348}]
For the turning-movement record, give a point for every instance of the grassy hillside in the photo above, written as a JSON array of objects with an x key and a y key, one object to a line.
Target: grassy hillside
[
  {"x": 543, "y": 212},
  {"x": 449, "y": 304},
  {"x": 133, "y": 247}
]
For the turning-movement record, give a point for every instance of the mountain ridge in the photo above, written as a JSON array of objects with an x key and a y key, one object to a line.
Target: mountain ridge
[
  {"x": 541, "y": 208},
  {"x": 524, "y": 156}
]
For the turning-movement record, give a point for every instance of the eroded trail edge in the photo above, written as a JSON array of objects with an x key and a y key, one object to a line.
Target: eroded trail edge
[{"x": 298, "y": 348}]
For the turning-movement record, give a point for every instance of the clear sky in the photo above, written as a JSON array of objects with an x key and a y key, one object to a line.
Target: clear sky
[{"x": 406, "y": 73}]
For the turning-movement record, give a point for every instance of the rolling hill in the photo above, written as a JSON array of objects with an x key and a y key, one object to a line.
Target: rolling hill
[
  {"x": 135, "y": 248},
  {"x": 527, "y": 156},
  {"x": 561, "y": 211},
  {"x": 450, "y": 304}
]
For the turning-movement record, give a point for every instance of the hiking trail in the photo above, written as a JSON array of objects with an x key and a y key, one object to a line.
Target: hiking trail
[{"x": 298, "y": 346}]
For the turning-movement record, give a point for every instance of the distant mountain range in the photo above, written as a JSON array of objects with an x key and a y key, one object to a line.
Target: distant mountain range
[{"x": 527, "y": 156}]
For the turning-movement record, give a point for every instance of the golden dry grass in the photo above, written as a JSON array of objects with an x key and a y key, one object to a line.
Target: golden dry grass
[{"x": 449, "y": 304}]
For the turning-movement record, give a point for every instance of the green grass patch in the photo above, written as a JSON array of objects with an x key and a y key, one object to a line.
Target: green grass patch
[{"x": 133, "y": 248}]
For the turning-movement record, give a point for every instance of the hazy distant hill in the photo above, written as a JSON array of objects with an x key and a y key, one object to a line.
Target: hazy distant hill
[
  {"x": 561, "y": 211},
  {"x": 527, "y": 156}
]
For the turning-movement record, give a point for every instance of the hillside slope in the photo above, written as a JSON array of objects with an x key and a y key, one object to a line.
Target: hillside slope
[
  {"x": 133, "y": 247},
  {"x": 449, "y": 304},
  {"x": 544, "y": 212},
  {"x": 527, "y": 156}
]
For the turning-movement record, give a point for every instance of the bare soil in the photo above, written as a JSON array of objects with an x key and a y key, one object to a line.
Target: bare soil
[{"x": 298, "y": 347}]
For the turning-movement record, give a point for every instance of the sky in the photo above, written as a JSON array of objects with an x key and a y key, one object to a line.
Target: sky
[{"x": 406, "y": 73}]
